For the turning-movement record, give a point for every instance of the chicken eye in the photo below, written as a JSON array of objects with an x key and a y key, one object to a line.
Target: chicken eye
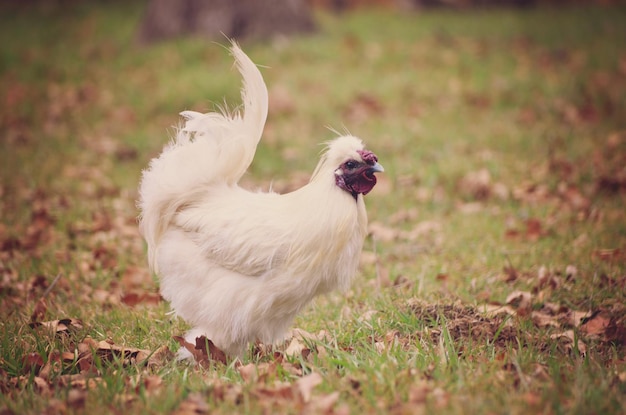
[{"x": 351, "y": 164}]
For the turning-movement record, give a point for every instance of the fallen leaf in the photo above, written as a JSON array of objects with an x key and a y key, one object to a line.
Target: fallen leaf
[
  {"x": 323, "y": 404},
  {"x": 575, "y": 318},
  {"x": 295, "y": 348},
  {"x": 32, "y": 362},
  {"x": 59, "y": 326},
  {"x": 204, "y": 351},
  {"x": 534, "y": 229},
  {"x": 521, "y": 301},
  {"x": 151, "y": 384},
  {"x": 76, "y": 398},
  {"x": 135, "y": 298},
  {"x": 608, "y": 255},
  {"x": 193, "y": 404},
  {"x": 282, "y": 391},
  {"x": 42, "y": 385},
  {"x": 306, "y": 384},
  {"x": 596, "y": 325},
  {"x": 496, "y": 309},
  {"x": 249, "y": 373},
  {"x": 510, "y": 274},
  {"x": 476, "y": 184},
  {"x": 39, "y": 312},
  {"x": 418, "y": 393},
  {"x": 567, "y": 338},
  {"x": 160, "y": 356},
  {"x": 544, "y": 320}
]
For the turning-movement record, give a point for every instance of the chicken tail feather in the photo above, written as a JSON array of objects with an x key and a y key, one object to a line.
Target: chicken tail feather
[{"x": 209, "y": 149}]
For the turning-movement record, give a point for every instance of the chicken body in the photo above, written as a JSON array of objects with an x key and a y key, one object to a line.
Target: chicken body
[{"x": 238, "y": 265}]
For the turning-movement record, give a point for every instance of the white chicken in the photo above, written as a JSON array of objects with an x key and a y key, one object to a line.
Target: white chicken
[{"x": 238, "y": 265}]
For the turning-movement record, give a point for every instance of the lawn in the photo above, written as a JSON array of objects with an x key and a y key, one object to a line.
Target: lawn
[{"x": 493, "y": 279}]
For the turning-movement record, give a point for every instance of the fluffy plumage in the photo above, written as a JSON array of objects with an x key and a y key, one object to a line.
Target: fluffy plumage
[{"x": 238, "y": 265}]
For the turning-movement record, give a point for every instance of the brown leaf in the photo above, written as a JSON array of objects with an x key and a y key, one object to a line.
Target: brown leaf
[
  {"x": 306, "y": 384},
  {"x": 151, "y": 384},
  {"x": 42, "y": 385},
  {"x": 323, "y": 404},
  {"x": 193, "y": 404},
  {"x": 249, "y": 372},
  {"x": 476, "y": 184},
  {"x": 510, "y": 274},
  {"x": 566, "y": 340},
  {"x": 534, "y": 229},
  {"x": 281, "y": 391},
  {"x": 109, "y": 351},
  {"x": 493, "y": 310},
  {"x": 78, "y": 381},
  {"x": 575, "y": 318},
  {"x": 418, "y": 393},
  {"x": 136, "y": 277},
  {"x": 204, "y": 351},
  {"x": 547, "y": 279},
  {"x": 160, "y": 356},
  {"x": 596, "y": 325},
  {"x": 32, "y": 362},
  {"x": 304, "y": 335},
  {"x": 210, "y": 349},
  {"x": 59, "y": 326},
  {"x": 295, "y": 348},
  {"x": 521, "y": 301},
  {"x": 608, "y": 255},
  {"x": 39, "y": 312},
  {"x": 54, "y": 363},
  {"x": 135, "y": 298},
  {"x": 544, "y": 320}
]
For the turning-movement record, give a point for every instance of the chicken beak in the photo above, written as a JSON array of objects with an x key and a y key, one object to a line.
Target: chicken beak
[{"x": 377, "y": 168}]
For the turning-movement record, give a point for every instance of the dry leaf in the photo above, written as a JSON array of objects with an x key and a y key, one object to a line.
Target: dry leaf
[
  {"x": 204, "y": 351},
  {"x": 566, "y": 340},
  {"x": 194, "y": 404},
  {"x": 306, "y": 384},
  {"x": 160, "y": 356},
  {"x": 135, "y": 298},
  {"x": 575, "y": 318},
  {"x": 596, "y": 325},
  {"x": 295, "y": 348},
  {"x": 476, "y": 184},
  {"x": 59, "y": 326},
  {"x": 249, "y": 372},
  {"x": 151, "y": 384},
  {"x": 544, "y": 320},
  {"x": 493, "y": 310},
  {"x": 323, "y": 404},
  {"x": 32, "y": 362},
  {"x": 521, "y": 301},
  {"x": 39, "y": 312}
]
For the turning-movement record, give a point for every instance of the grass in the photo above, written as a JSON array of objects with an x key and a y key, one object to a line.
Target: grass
[{"x": 503, "y": 138}]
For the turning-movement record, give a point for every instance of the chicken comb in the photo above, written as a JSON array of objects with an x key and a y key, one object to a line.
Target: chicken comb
[{"x": 368, "y": 157}]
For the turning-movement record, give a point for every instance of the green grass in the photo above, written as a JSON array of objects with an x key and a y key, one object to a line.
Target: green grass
[{"x": 535, "y": 97}]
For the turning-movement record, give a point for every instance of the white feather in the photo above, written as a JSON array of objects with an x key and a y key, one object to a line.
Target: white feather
[{"x": 239, "y": 265}]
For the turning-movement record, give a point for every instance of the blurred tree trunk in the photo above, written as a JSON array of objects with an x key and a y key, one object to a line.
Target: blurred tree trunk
[{"x": 256, "y": 19}]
